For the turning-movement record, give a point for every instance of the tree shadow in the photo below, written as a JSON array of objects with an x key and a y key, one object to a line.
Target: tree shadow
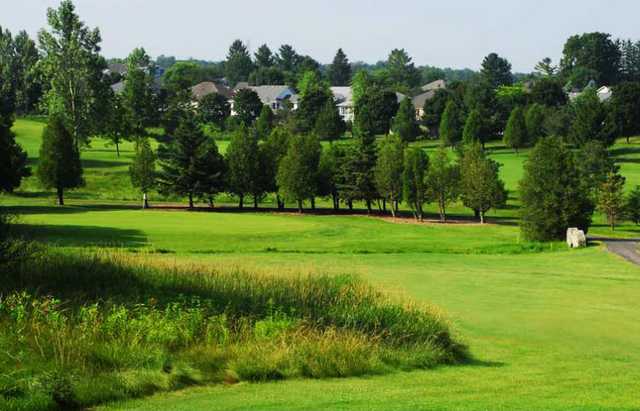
[
  {"x": 90, "y": 163},
  {"x": 621, "y": 151},
  {"x": 81, "y": 236},
  {"x": 39, "y": 210}
]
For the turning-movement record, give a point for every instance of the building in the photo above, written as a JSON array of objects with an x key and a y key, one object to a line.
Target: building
[
  {"x": 275, "y": 96},
  {"x": 428, "y": 92},
  {"x": 434, "y": 85},
  {"x": 343, "y": 97},
  {"x": 205, "y": 88}
]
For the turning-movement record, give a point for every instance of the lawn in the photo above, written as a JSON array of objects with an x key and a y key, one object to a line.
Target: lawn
[{"x": 549, "y": 328}]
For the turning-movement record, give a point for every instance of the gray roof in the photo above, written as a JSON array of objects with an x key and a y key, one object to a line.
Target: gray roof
[
  {"x": 118, "y": 87},
  {"x": 434, "y": 85},
  {"x": 419, "y": 100},
  {"x": 209, "y": 87},
  {"x": 270, "y": 94},
  {"x": 342, "y": 95},
  {"x": 119, "y": 68}
]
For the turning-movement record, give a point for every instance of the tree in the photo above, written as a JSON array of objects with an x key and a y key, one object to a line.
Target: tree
[
  {"x": 273, "y": 150},
  {"x": 266, "y": 76},
  {"x": 590, "y": 122},
  {"x": 287, "y": 58},
  {"x": 264, "y": 57},
  {"x": 357, "y": 180},
  {"x": 137, "y": 95},
  {"x": 404, "y": 123},
  {"x": 264, "y": 123},
  {"x": 313, "y": 94},
  {"x": 496, "y": 70},
  {"x": 329, "y": 173},
  {"x": 594, "y": 163},
  {"x": 416, "y": 164},
  {"x": 611, "y": 198},
  {"x": 595, "y": 52},
  {"x": 624, "y": 108},
  {"x": 298, "y": 171},
  {"x": 389, "y": 170},
  {"x": 59, "y": 166},
  {"x": 329, "y": 124},
  {"x": 118, "y": 126},
  {"x": 214, "y": 108},
  {"x": 28, "y": 86},
  {"x": 632, "y": 205},
  {"x": 340, "y": 70},
  {"x": 183, "y": 170},
  {"x": 402, "y": 74},
  {"x": 238, "y": 65},
  {"x": 73, "y": 68},
  {"x": 552, "y": 193},
  {"x": 442, "y": 181},
  {"x": 243, "y": 161},
  {"x": 374, "y": 110},
  {"x": 214, "y": 172},
  {"x": 247, "y": 106},
  {"x": 179, "y": 106},
  {"x": 450, "y": 126},
  {"x": 480, "y": 186},
  {"x": 472, "y": 132},
  {"x": 434, "y": 109},
  {"x": 182, "y": 75},
  {"x": 515, "y": 135},
  {"x": 142, "y": 170},
  {"x": 534, "y": 121},
  {"x": 630, "y": 62},
  {"x": 546, "y": 67},
  {"x": 548, "y": 92}
]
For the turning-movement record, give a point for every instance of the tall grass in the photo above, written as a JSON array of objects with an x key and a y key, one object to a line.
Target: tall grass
[{"x": 84, "y": 329}]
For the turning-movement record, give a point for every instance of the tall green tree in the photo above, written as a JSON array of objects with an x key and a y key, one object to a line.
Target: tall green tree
[
  {"x": 238, "y": 65},
  {"x": 183, "y": 167},
  {"x": 548, "y": 91},
  {"x": 247, "y": 106},
  {"x": 142, "y": 170},
  {"x": 182, "y": 75},
  {"x": 329, "y": 173},
  {"x": 389, "y": 170},
  {"x": 630, "y": 61},
  {"x": 546, "y": 68},
  {"x": 442, "y": 181},
  {"x": 265, "y": 122},
  {"x": 298, "y": 171},
  {"x": 595, "y": 52},
  {"x": 214, "y": 109},
  {"x": 402, "y": 73},
  {"x": 29, "y": 84},
  {"x": 472, "y": 132},
  {"x": 611, "y": 198},
  {"x": 552, "y": 193},
  {"x": 264, "y": 57},
  {"x": 59, "y": 166},
  {"x": 481, "y": 188},
  {"x": 416, "y": 165},
  {"x": 534, "y": 120},
  {"x": 374, "y": 110},
  {"x": 119, "y": 125},
  {"x": 329, "y": 124},
  {"x": 264, "y": 76},
  {"x": 273, "y": 150},
  {"x": 313, "y": 94},
  {"x": 340, "y": 70},
  {"x": 73, "y": 68},
  {"x": 590, "y": 121},
  {"x": 594, "y": 163},
  {"x": 624, "y": 108},
  {"x": 632, "y": 205},
  {"x": 515, "y": 135},
  {"x": 404, "y": 123},
  {"x": 243, "y": 161},
  {"x": 137, "y": 95},
  {"x": 450, "y": 125},
  {"x": 433, "y": 110},
  {"x": 287, "y": 58},
  {"x": 496, "y": 70}
]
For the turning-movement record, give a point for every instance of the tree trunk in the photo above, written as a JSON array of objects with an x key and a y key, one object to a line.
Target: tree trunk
[
  {"x": 145, "y": 201},
  {"x": 241, "y": 203},
  {"x": 255, "y": 202},
  {"x": 368, "y": 206},
  {"x": 482, "y": 217},
  {"x": 393, "y": 210},
  {"x": 211, "y": 201},
  {"x": 384, "y": 205},
  {"x": 395, "y": 206},
  {"x": 300, "y": 206},
  {"x": 350, "y": 204},
  {"x": 280, "y": 202},
  {"x": 477, "y": 214},
  {"x": 118, "y": 150},
  {"x": 336, "y": 201},
  {"x": 190, "y": 200},
  {"x": 313, "y": 203},
  {"x": 443, "y": 213},
  {"x": 60, "y": 193}
]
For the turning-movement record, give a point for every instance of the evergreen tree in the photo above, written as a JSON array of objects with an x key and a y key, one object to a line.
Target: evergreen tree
[
  {"x": 404, "y": 123},
  {"x": 594, "y": 164},
  {"x": 214, "y": 172},
  {"x": 138, "y": 91},
  {"x": 340, "y": 70},
  {"x": 28, "y": 85},
  {"x": 329, "y": 124},
  {"x": 450, "y": 126},
  {"x": 625, "y": 110},
  {"x": 214, "y": 109},
  {"x": 552, "y": 193},
  {"x": 611, "y": 198},
  {"x": 314, "y": 94},
  {"x": 480, "y": 186},
  {"x": 401, "y": 72},
  {"x": 442, "y": 181},
  {"x": 416, "y": 165},
  {"x": 433, "y": 110},
  {"x": 263, "y": 76},
  {"x": 59, "y": 166},
  {"x": 389, "y": 170},
  {"x": 472, "y": 132},
  {"x": 183, "y": 170},
  {"x": 374, "y": 110},
  {"x": 143, "y": 169},
  {"x": 264, "y": 57},
  {"x": 247, "y": 106},
  {"x": 265, "y": 122},
  {"x": 243, "y": 161},
  {"x": 497, "y": 71},
  {"x": 590, "y": 122},
  {"x": 632, "y": 205},
  {"x": 515, "y": 135},
  {"x": 534, "y": 121},
  {"x": 238, "y": 65},
  {"x": 329, "y": 173},
  {"x": 298, "y": 171}
]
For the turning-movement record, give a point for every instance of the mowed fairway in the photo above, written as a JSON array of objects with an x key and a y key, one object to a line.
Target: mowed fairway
[{"x": 550, "y": 329}]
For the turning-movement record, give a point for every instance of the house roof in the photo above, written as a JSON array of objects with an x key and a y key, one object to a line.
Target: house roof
[
  {"x": 209, "y": 87},
  {"x": 434, "y": 85},
  {"x": 342, "y": 95},
  {"x": 118, "y": 87},
  {"x": 119, "y": 68},
  {"x": 419, "y": 100}
]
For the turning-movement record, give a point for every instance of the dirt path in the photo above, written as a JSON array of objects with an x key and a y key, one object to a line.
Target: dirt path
[{"x": 625, "y": 248}]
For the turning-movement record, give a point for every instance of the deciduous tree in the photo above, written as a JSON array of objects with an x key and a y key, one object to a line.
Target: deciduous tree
[
  {"x": 247, "y": 106},
  {"x": 404, "y": 123},
  {"x": 442, "y": 181},
  {"x": 142, "y": 170},
  {"x": 611, "y": 198},
  {"x": 389, "y": 170},
  {"x": 416, "y": 164},
  {"x": 515, "y": 135},
  {"x": 450, "y": 125},
  {"x": 298, "y": 171}
]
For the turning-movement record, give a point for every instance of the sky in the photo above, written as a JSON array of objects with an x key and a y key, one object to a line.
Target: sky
[{"x": 441, "y": 33}]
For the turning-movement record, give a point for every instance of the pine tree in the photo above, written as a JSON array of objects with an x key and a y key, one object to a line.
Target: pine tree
[
  {"x": 473, "y": 129},
  {"x": 340, "y": 70},
  {"x": 238, "y": 65},
  {"x": 59, "y": 165},
  {"x": 450, "y": 127},
  {"x": 298, "y": 171},
  {"x": 264, "y": 123},
  {"x": 389, "y": 170},
  {"x": 329, "y": 124},
  {"x": 247, "y": 106},
  {"x": 611, "y": 198},
  {"x": 416, "y": 164},
  {"x": 214, "y": 109},
  {"x": 404, "y": 123},
  {"x": 143, "y": 169},
  {"x": 515, "y": 134},
  {"x": 264, "y": 57},
  {"x": 590, "y": 122},
  {"x": 632, "y": 205},
  {"x": 552, "y": 193},
  {"x": 480, "y": 186},
  {"x": 442, "y": 181}
]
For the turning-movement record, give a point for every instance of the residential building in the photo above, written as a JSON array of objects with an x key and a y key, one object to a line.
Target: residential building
[
  {"x": 274, "y": 96},
  {"x": 429, "y": 91}
]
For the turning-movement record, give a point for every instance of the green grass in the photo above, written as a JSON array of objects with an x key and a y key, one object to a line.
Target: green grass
[{"x": 549, "y": 328}]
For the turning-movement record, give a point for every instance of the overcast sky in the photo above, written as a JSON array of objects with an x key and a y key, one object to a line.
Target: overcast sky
[{"x": 440, "y": 33}]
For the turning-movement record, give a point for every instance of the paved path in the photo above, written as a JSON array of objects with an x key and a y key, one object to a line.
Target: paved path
[{"x": 625, "y": 248}]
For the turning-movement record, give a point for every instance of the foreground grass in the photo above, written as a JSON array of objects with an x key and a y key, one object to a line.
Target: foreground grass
[{"x": 82, "y": 330}]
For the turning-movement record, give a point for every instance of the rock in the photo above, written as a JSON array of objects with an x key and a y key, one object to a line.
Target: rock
[{"x": 576, "y": 238}]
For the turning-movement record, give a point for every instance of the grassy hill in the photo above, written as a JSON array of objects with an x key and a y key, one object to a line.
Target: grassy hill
[{"x": 548, "y": 328}]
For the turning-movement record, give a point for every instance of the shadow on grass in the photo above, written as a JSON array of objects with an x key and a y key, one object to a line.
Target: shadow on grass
[
  {"x": 621, "y": 151},
  {"x": 82, "y": 236},
  {"x": 38, "y": 210},
  {"x": 90, "y": 163}
]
